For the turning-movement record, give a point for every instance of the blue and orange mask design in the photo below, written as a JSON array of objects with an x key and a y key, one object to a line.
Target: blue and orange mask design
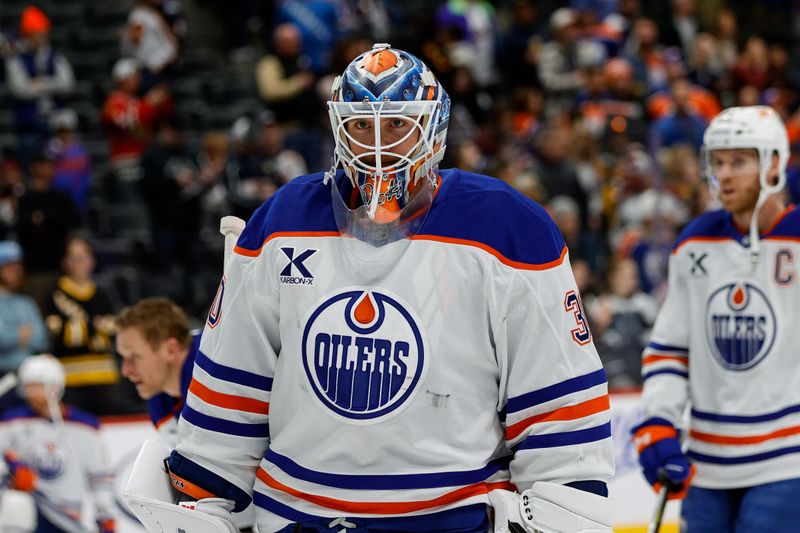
[{"x": 389, "y": 117}]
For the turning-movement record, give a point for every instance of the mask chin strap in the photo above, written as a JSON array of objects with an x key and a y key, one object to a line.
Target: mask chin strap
[{"x": 767, "y": 190}]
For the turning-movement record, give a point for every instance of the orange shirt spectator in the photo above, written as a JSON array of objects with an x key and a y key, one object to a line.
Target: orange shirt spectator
[{"x": 701, "y": 101}]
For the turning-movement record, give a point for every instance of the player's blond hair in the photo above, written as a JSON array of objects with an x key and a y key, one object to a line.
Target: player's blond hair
[{"x": 158, "y": 319}]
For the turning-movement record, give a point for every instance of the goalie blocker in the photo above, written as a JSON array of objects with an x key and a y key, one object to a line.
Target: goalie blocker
[
  {"x": 545, "y": 508},
  {"x": 149, "y": 495},
  {"x": 550, "y": 508}
]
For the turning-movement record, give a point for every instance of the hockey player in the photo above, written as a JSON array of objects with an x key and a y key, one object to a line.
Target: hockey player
[
  {"x": 158, "y": 351},
  {"x": 725, "y": 343},
  {"x": 394, "y": 347},
  {"x": 54, "y": 452}
]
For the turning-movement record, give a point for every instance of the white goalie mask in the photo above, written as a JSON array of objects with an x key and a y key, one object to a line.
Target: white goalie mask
[
  {"x": 754, "y": 127},
  {"x": 389, "y": 166}
]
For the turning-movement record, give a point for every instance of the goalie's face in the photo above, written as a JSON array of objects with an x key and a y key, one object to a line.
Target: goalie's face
[
  {"x": 396, "y": 137},
  {"x": 382, "y": 147}
]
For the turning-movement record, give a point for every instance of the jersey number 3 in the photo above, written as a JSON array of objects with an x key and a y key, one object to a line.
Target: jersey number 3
[{"x": 572, "y": 303}]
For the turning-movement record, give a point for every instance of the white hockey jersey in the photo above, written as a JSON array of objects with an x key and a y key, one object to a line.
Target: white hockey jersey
[
  {"x": 726, "y": 344},
  {"x": 70, "y": 463},
  {"x": 338, "y": 379}
]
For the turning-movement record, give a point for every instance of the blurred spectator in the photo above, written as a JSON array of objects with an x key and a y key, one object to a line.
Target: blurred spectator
[
  {"x": 369, "y": 17},
  {"x": 39, "y": 79},
  {"x": 73, "y": 173},
  {"x": 262, "y": 164},
  {"x": 646, "y": 54},
  {"x": 726, "y": 32},
  {"x": 621, "y": 322},
  {"x": 753, "y": 66},
  {"x": 683, "y": 125},
  {"x": 591, "y": 165},
  {"x": 46, "y": 217},
  {"x": 12, "y": 187},
  {"x": 748, "y": 95},
  {"x": 558, "y": 69},
  {"x": 682, "y": 27},
  {"x": 172, "y": 11},
  {"x": 623, "y": 19},
  {"x": 467, "y": 96},
  {"x": 22, "y": 331},
  {"x": 584, "y": 280},
  {"x": 699, "y": 100},
  {"x": 516, "y": 51},
  {"x": 129, "y": 120},
  {"x": 148, "y": 38},
  {"x": 286, "y": 83},
  {"x": 650, "y": 221},
  {"x": 528, "y": 113},
  {"x": 318, "y": 24},
  {"x": 705, "y": 67},
  {"x": 285, "y": 80},
  {"x": 582, "y": 244},
  {"x": 623, "y": 106},
  {"x": 346, "y": 50},
  {"x": 468, "y": 157},
  {"x": 173, "y": 188},
  {"x": 80, "y": 319},
  {"x": 476, "y": 20},
  {"x": 556, "y": 172},
  {"x": 683, "y": 177}
]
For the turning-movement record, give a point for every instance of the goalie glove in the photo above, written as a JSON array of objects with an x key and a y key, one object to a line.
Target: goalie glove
[{"x": 550, "y": 508}]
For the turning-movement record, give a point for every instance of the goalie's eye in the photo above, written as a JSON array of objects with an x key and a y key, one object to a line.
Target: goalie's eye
[{"x": 362, "y": 124}]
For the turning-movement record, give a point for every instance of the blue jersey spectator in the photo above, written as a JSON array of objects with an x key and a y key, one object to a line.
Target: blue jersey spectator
[{"x": 22, "y": 330}]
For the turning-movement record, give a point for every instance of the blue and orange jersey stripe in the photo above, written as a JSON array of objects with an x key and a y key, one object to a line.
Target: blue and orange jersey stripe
[
  {"x": 228, "y": 401},
  {"x": 570, "y": 412},
  {"x": 384, "y": 508}
]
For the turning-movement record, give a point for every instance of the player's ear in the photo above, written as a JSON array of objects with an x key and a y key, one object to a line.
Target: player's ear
[
  {"x": 172, "y": 349},
  {"x": 773, "y": 169}
]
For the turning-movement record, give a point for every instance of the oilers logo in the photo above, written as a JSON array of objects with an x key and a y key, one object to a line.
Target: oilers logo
[
  {"x": 740, "y": 325},
  {"x": 49, "y": 460},
  {"x": 364, "y": 354}
]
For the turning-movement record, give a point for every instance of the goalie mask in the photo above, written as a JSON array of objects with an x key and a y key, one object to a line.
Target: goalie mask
[
  {"x": 758, "y": 127},
  {"x": 389, "y": 119}
]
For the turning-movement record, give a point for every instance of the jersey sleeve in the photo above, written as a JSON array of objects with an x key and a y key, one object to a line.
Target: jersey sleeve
[
  {"x": 553, "y": 388},
  {"x": 223, "y": 431},
  {"x": 665, "y": 360}
]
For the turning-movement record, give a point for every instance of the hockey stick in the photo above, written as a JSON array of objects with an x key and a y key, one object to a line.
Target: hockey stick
[
  {"x": 7, "y": 383},
  {"x": 230, "y": 227},
  {"x": 655, "y": 523},
  {"x": 663, "y": 496}
]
